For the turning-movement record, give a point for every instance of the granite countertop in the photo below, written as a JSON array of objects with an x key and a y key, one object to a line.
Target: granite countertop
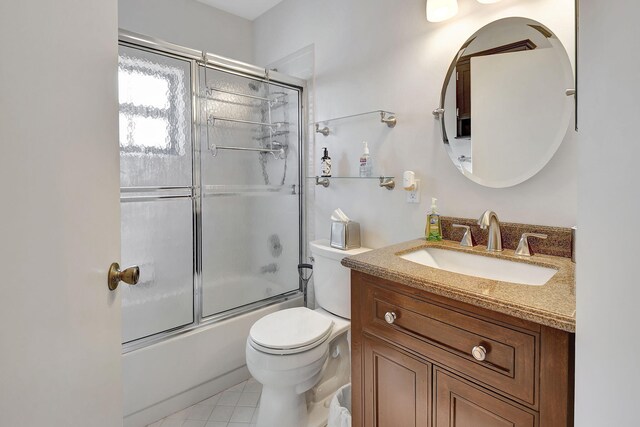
[{"x": 552, "y": 304}]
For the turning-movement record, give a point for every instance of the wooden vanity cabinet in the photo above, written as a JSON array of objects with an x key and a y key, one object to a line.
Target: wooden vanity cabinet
[{"x": 415, "y": 368}]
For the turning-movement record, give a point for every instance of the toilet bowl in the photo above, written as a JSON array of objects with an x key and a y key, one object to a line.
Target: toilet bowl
[{"x": 302, "y": 356}]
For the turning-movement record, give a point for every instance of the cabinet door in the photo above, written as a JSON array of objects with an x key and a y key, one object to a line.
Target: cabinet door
[
  {"x": 460, "y": 404},
  {"x": 397, "y": 390}
]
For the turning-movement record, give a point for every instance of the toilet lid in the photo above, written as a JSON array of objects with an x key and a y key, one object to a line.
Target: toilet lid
[{"x": 291, "y": 329}]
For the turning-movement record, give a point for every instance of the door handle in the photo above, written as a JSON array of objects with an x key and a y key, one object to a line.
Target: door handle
[{"x": 128, "y": 275}]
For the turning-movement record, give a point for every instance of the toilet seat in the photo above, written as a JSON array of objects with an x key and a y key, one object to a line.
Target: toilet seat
[{"x": 290, "y": 331}]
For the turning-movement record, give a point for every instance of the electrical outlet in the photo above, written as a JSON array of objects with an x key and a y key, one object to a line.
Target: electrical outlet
[{"x": 414, "y": 195}]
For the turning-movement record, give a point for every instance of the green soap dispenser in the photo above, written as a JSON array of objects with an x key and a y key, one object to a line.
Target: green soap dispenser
[{"x": 433, "y": 230}]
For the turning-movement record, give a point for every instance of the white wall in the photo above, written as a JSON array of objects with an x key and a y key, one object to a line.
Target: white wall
[
  {"x": 190, "y": 24},
  {"x": 608, "y": 339},
  {"x": 374, "y": 54}
]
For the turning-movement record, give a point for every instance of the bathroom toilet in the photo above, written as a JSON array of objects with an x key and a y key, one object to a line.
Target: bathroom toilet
[{"x": 302, "y": 356}]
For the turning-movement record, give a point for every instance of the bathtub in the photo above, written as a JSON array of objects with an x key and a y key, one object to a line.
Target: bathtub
[{"x": 185, "y": 369}]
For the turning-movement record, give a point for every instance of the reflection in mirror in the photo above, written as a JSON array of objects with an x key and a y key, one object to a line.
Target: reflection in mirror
[{"x": 504, "y": 109}]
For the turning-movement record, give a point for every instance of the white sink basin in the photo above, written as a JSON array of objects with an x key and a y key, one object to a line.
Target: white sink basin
[{"x": 482, "y": 266}]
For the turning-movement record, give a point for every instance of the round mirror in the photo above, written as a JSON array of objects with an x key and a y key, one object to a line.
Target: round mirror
[{"x": 506, "y": 102}]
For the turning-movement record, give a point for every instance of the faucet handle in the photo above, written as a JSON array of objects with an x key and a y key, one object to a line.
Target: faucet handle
[
  {"x": 467, "y": 239},
  {"x": 523, "y": 245}
]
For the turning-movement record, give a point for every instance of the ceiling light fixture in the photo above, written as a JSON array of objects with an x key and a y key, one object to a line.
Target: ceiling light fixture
[{"x": 441, "y": 10}]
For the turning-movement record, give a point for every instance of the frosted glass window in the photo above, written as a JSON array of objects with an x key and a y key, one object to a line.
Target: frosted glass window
[
  {"x": 139, "y": 86},
  {"x": 145, "y": 131},
  {"x": 155, "y": 119}
]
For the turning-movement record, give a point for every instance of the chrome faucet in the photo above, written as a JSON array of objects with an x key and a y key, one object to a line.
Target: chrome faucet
[{"x": 490, "y": 219}]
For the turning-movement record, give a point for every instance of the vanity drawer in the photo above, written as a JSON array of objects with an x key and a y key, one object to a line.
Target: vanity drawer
[{"x": 447, "y": 336}]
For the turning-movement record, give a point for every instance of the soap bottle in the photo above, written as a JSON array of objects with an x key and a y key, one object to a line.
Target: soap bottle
[
  {"x": 365, "y": 161},
  {"x": 325, "y": 164},
  {"x": 433, "y": 231}
]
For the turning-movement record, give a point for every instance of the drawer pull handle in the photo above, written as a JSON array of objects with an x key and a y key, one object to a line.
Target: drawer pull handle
[
  {"x": 479, "y": 353},
  {"x": 390, "y": 317}
]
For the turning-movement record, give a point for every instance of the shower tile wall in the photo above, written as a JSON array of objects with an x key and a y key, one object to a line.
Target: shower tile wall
[{"x": 234, "y": 407}]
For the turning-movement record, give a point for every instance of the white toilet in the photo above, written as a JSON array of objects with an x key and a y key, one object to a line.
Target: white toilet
[{"x": 302, "y": 356}]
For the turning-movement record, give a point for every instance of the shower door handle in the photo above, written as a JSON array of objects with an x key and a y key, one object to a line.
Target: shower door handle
[{"x": 128, "y": 275}]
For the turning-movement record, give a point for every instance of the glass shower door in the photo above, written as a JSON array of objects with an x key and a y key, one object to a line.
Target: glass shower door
[
  {"x": 157, "y": 207},
  {"x": 250, "y": 217}
]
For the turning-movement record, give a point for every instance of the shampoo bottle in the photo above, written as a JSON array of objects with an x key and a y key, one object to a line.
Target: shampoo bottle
[
  {"x": 365, "y": 161},
  {"x": 325, "y": 164},
  {"x": 433, "y": 231}
]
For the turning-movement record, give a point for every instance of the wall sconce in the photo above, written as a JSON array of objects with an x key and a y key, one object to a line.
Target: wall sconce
[{"x": 441, "y": 10}]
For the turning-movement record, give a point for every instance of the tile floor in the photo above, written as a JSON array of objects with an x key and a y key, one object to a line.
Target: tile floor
[{"x": 234, "y": 407}]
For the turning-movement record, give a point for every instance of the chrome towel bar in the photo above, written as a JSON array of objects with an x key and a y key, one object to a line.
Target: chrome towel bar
[
  {"x": 275, "y": 99},
  {"x": 278, "y": 153},
  {"x": 276, "y": 125}
]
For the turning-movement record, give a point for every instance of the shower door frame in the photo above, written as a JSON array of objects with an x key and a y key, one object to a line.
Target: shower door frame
[{"x": 196, "y": 59}]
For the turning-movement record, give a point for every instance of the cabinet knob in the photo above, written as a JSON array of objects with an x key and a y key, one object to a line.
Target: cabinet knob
[
  {"x": 479, "y": 353},
  {"x": 390, "y": 317}
]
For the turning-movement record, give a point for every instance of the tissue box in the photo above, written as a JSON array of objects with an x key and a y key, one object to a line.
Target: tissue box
[{"x": 345, "y": 235}]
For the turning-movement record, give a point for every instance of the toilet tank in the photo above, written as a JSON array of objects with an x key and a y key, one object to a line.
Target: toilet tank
[{"x": 331, "y": 280}]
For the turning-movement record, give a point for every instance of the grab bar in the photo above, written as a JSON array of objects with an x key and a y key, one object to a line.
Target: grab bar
[
  {"x": 281, "y": 154},
  {"x": 212, "y": 120}
]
